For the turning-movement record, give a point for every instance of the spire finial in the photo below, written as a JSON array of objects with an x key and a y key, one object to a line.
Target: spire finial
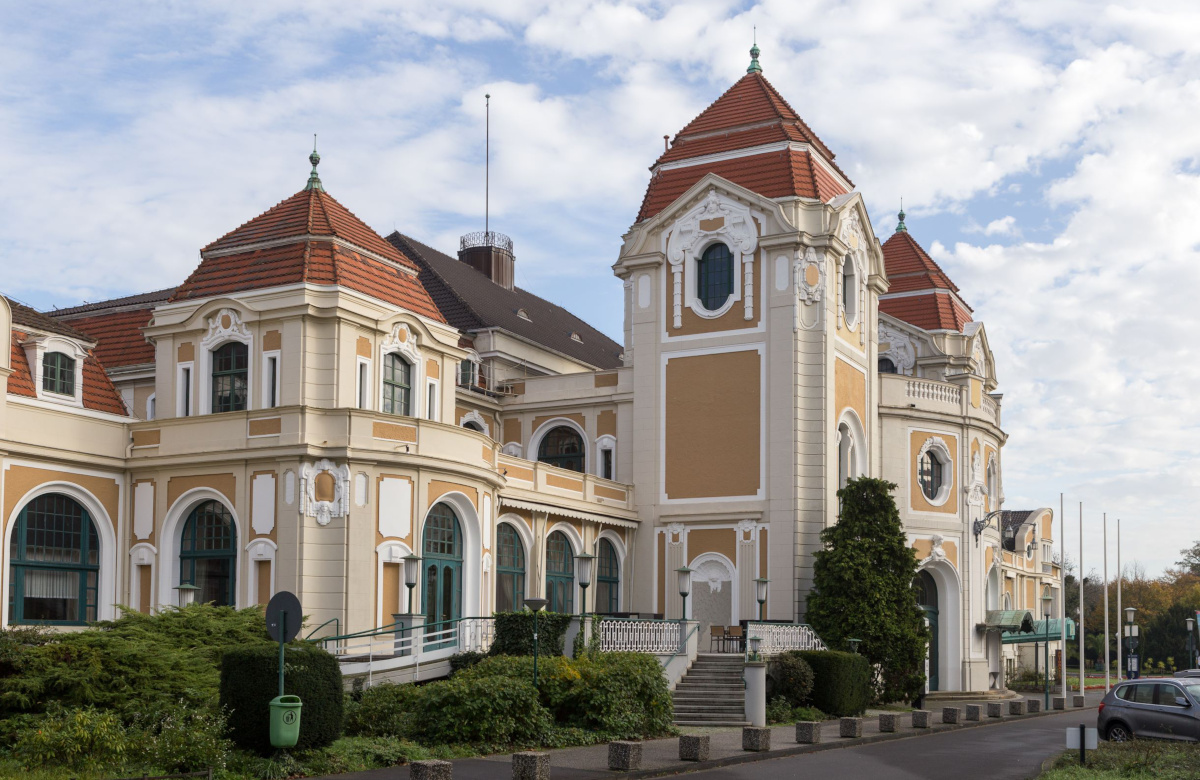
[
  {"x": 314, "y": 181},
  {"x": 900, "y": 226},
  {"x": 754, "y": 66}
]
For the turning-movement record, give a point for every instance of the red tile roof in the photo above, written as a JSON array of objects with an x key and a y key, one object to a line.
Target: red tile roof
[
  {"x": 118, "y": 336},
  {"x": 98, "y": 391},
  {"x": 20, "y": 381},
  {"x": 910, "y": 269},
  {"x": 928, "y": 311}
]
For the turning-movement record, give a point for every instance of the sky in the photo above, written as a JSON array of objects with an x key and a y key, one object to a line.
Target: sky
[{"x": 1047, "y": 155}]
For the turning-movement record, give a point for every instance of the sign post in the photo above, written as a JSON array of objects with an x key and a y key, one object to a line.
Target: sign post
[
  {"x": 1083, "y": 738},
  {"x": 283, "y": 624}
]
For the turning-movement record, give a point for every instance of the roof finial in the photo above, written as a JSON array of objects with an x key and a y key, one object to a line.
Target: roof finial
[
  {"x": 900, "y": 226},
  {"x": 314, "y": 181},
  {"x": 754, "y": 66}
]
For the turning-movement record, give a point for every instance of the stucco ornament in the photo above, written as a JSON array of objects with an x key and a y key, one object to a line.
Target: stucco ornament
[
  {"x": 977, "y": 490},
  {"x": 225, "y": 325},
  {"x": 319, "y": 504},
  {"x": 901, "y": 350},
  {"x": 675, "y": 533},
  {"x": 403, "y": 340},
  {"x": 936, "y": 552},
  {"x": 746, "y": 530},
  {"x": 715, "y": 218},
  {"x": 712, "y": 572},
  {"x": 977, "y": 355}
]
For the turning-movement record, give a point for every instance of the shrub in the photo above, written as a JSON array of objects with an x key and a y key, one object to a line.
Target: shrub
[
  {"x": 778, "y": 710},
  {"x": 465, "y": 660},
  {"x": 792, "y": 677},
  {"x": 514, "y": 633},
  {"x": 841, "y": 681},
  {"x": 249, "y": 680},
  {"x": 383, "y": 710},
  {"x": 77, "y": 738},
  {"x": 496, "y": 710},
  {"x": 183, "y": 740}
]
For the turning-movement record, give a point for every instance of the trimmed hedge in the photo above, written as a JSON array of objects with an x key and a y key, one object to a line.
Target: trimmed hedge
[
  {"x": 841, "y": 681},
  {"x": 514, "y": 633},
  {"x": 494, "y": 710},
  {"x": 383, "y": 710},
  {"x": 250, "y": 679},
  {"x": 792, "y": 678}
]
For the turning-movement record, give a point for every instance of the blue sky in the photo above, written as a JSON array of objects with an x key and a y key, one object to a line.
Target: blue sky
[{"x": 1045, "y": 153}]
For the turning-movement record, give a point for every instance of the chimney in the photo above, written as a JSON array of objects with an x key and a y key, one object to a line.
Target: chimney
[{"x": 491, "y": 254}]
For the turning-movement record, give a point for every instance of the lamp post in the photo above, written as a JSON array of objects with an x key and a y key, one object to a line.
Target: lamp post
[
  {"x": 412, "y": 570},
  {"x": 1131, "y": 632},
  {"x": 854, "y": 643},
  {"x": 535, "y": 606},
  {"x": 584, "y": 562},
  {"x": 1191, "y": 641},
  {"x": 187, "y": 594},
  {"x": 1047, "y": 606},
  {"x": 760, "y": 590},
  {"x": 684, "y": 579},
  {"x": 754, "y": 642}
]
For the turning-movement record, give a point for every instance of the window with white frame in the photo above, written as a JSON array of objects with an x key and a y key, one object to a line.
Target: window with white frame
[
  {"x": 935, "y": 470},
  {"x": 397, "y": 385},
  {"x": 606, "y": 457},
  {"x": 849, "y": 291},
  {"x": 362, "y": 384},
  {"x": 57, "y": 367},
  {"x": 431, "y": 399},
  {"x": 58, "y": 373},
  {"x": 151, "y": 407},
  {"x": 270, "y": 379},
  {"x": 230, "y": 378},
  {"x": 183, "y": 385}
]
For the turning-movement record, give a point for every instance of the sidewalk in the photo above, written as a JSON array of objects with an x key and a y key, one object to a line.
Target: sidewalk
[{"x": 660, "y": 757}]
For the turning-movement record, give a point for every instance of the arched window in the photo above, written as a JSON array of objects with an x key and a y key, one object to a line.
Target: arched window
[
  {"x": 58, "y": 373},
  {"x": 849, "y": 291},
  {"x": 560, "y": 573},
  {"x": 55, "y": 563},
  {"x": 714, "y": 277},
  {"x": 608, "y": 573},
  {"x": 441, "y": 596},
  {"x": 208, "y": 554},
  {"x": 930, "y": 475},
  {"x": 886, "y": 366},
  {"x": 397, "y": 385},
  {"x": 474, "y": 426},
  {"x": 510, "y": 569},
  {"x": 562, "y": 447},
  {"x": 229, "y": 377}
]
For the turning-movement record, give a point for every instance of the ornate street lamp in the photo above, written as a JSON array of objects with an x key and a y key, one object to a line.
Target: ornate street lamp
[
  {"x": 187, "y": 594},
  {"x": 535, "y": 606},
  {"x": 584, "y": 563},
  {"x": 760, "y": 589},
  {"x": 754, "y": 642},
  {"x": 854, "y": 643},
  {"x": 684, "y": 579},
  {"x": 1047, "y": 607},
  {"x": 412, "y": 570}
]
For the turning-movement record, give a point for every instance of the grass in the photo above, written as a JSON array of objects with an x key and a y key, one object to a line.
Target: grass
[{"x": 1138, "y": 759}]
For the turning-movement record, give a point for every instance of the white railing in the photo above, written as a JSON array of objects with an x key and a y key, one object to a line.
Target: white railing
[
  {"x": 775, "y": 638},
  {"x": 660, "y": 637},
  {"x": 404, "y": 647},
  {"x": 933, "y": 391}
]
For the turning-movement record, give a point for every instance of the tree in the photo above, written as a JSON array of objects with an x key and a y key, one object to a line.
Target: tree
[
  {"x": 863, "y": 588},
  {"x": 1191, "y": 559}
]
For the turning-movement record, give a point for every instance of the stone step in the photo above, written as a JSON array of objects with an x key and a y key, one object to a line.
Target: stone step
[
  {"x": 701, "y": 711},
  {"x": 702, "y": 695},
  {"x": 711, "y": 692}
]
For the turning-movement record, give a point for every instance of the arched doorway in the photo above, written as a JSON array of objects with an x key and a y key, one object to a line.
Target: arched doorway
[
  {"x": 442, "y": 550},
  {"x": 927, "y": 598},
  {"x": 560, "y": 573},
  {"x": 713, "y": 601},
  {"x": 208, "y": 554},
  {"x": 55, "y": 563}
]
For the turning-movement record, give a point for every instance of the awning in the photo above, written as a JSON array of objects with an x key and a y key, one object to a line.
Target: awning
[
  {"x": 535, "y": 506},
  {"x": 1040, "y": 630},
  {"x": 1006, "y": 620}
]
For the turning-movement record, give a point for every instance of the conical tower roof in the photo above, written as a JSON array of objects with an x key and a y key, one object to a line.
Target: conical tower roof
[{"x": 919, "y": 291}]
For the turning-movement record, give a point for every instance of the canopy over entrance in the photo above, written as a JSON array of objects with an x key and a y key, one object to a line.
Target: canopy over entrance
[
  {"x": 1041, "y": 632},
  {"x": 1013, "y": 620}
]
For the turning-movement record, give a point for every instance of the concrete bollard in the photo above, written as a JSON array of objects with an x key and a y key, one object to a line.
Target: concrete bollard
[
  {"x": 1016, "y": 707},
  {"x": 756, "y": 738},
  {"x": 431, "y": 770},
  {"x": 850, "y": 728},
  {"x": 531, "y": 765},
  {"x": 1058, "y": 702},
  {"x": 625, "y": 756},
  {"x": 888, "y": 722},
  {"x": 1033, "y": 705},
  {"x": 951, "y": 715},
  {"x": 1078, "y": 701},
  {"x": 808, "y": 732},
  {"x": 974, "y": 712},
  {"x": 922, "y": 719},
  {"x": 995, "y": 709},
  {"x": 693, "y": 747}
]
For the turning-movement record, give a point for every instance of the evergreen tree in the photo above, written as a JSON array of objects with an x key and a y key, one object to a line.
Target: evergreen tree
[{"x": 863, "y": 589}]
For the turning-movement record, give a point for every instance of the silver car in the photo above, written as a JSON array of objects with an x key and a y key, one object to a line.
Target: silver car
[{"x": 1155, "y": 708}]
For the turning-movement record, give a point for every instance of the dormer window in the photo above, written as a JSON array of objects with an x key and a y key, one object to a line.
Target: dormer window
[
  {"x": 58, "y": 374},
  {"x": 714, "y": 277},
  {"x": 230, "y": 367},
  {"x": 524, "y": 315},
  {"x": 576, "y": 337}
]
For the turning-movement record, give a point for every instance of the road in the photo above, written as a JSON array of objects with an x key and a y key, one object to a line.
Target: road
[{"x": 1005, "y": 751}]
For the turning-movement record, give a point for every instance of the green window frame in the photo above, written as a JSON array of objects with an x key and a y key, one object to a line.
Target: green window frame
[
  {"x": 208, "y": 554},
  {"x": 510, "y": 569},
  {"x": 397, "y": 385},
  {"x": 562, "y": 447},
  {"x": 560, "y": 573},
  {"x": 441, "y": 596},
  {"x": 58, "y": 373},
  {"x": 608, "y": 578},
  {"x": 54, "y": 560},
  {"x": 714, "y": 277},
  {"x": 230, "y": 377}
]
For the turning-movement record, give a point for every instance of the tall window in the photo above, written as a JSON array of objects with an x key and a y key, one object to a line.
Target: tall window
[
  {"x": 606, "y": 464},
  {"x": 229, "y": 377},
  {"x": 849, "y": 291},
  {"x": 208, "y": 553},
  {"x": 562, "y": 447},
  {"x": 607, "y": 578},
  {"x": 397, "y": 385},
  {"x": 510, "y": 569},
  {"x": 560, "y": 573},
  {"x": 58, "y": 373},
  {"x": 930, "y": 475},
  {"x": 441, "y": 598},
  {"x": 714, "y": 277},
  {"x": 886, "y": 366},
  {"x": 55, "y": 560}
]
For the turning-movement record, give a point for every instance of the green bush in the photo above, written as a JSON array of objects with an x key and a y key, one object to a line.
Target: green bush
[
  {"x": 841, "y": 681},
  {"x": 76, "y": 738},
  {"x": 383, "y": 710},
  {"x": 495, "y": 710},
  {"x": 465, "y": 660},
  {"x": 514, "y": 633},
  {"x": 792, "y": 678},
  {"x": 249, "y": 680},
  {"x": 183, "y": 740}
]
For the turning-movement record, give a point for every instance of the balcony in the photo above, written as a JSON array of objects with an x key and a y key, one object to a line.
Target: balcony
[
  {"x": 540, "y": 483},
  {"x": 930, "y": 395}
]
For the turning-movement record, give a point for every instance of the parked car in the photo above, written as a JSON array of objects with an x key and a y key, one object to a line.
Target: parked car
[
  {"x": 1166, "y": 708},
  {"x": 1188, "y": 673}
]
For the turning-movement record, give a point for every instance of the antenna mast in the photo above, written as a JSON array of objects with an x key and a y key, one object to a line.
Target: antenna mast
[{"x": 487, "y": 162}]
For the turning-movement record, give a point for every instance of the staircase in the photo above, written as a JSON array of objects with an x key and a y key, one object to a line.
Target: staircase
[{"x": 712, "y": 693}]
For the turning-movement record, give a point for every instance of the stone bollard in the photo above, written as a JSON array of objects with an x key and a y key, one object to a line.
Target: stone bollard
[
  {"x": 951, "y": 715},
  {"x": 431, "y": 770},
  {"x": 1078, "y": 701},
  {"x": 888, "y": 721},
  {"x": 808, "y": 732},
  {"x": 922, "y": 719},
  {"x": 693, "y": 747},
  {"x": 974, "y": 712},
  {"x": 1058, "y": 702},
  {"x": 531, "y": 765},
  {"x": 756, "y": 738},
  {"x": 850, "y": 728},
  {"x": 625, "y": 756},
  {"x": 1016, "y": 707},
  {"x": 1033, "y": 705},
  {"x": 995, "y": 709}
]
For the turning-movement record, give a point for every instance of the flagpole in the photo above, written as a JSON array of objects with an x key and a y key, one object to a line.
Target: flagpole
[
  {"x": 1107, "y": 668},
  {"x": 1062, "y": 592},
  {"x": 1079, "y": 628},
  {"x": 1120, "y": 579}
]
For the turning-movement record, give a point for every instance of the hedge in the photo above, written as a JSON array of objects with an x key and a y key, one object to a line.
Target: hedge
[
  {"x": 791, "y": 678},
  {"x": 250, "y": 679},
  {"x": 841, "y": 681},
  {"x": 495, "y": 710},
  {"x": 514, "y": 633}
]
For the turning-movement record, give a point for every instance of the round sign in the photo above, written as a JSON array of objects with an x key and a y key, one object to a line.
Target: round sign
[
  {"x": 289, "y": 717},
  {"x": 284, "y": 602}
]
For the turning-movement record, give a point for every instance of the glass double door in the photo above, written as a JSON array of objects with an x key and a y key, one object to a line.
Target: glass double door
[{"x": 441, "y": 591}]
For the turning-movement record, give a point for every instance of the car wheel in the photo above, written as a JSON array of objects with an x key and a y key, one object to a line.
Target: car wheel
[{"x": 1118, "y": 732}]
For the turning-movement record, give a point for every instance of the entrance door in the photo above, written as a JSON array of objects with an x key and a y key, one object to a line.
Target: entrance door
[
  {"x": 441, "y": 596},
  {"x": 927, "y": 598}
]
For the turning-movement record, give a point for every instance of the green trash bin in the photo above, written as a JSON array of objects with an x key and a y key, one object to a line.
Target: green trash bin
[{"x": 285, "y": 721}]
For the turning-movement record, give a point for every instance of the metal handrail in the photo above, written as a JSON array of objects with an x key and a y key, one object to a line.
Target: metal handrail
[
  {"x": 392, "y": 628},
  {"x": 683, "y": 645},
  {"x": 333, "y": 620}
]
